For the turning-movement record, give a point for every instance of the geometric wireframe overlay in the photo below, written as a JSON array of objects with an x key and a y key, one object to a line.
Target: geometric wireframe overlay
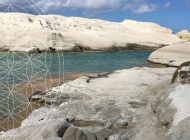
[{"x": 22, "y": 74}]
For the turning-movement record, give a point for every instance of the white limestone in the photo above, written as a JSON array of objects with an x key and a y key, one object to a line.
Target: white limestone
[
  {"x": 184, "y": 35},
  {"x": 29, "y": 33},
  {"x": 173, "y": 55},
  {"x": 180, "y": 100}
]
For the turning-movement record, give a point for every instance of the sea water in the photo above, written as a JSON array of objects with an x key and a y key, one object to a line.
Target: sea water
[{"x": 105, "y": 62}]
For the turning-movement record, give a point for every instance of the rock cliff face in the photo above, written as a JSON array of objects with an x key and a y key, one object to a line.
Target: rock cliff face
[
  {"x": 29, "y": 33},
  {"x": 173, "y": 55}
]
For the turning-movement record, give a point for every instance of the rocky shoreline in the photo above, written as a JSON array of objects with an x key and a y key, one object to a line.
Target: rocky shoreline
[
  {"x": 123, "y": 105},
  {"x": 132, "y": 104},
  {"x": 27, "y": 90},
  {"x": 94, "y": 108}
]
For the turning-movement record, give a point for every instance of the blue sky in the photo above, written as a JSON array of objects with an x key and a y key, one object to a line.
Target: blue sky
[{"x": 174, "y": 14}]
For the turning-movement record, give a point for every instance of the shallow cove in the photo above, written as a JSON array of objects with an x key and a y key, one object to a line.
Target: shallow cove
[
  {"x": 23, "y": 74},
  {"x": 105, "y": 61}
]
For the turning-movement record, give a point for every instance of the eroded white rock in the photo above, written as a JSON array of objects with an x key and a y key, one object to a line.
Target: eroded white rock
[
  {"x": 173, "y": 55},
  {"x": 180, "y": 100},
  {"x": 184, "y": 35},
  {"x": 28, "y": 33}
]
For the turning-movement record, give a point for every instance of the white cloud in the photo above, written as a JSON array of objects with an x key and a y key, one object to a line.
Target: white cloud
[
  {"x": 146, "y": 8},
  {"x": 168, "y": 5},
  {"x": 100, "y": 6},
  {"x": 82, "y": 4},
  {"x": 91, "y": 7}
]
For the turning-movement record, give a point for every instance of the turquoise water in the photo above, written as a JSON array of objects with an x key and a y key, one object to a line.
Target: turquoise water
[
  {"x": 17, "y": 68},
  {"x": 105, "y": 62}
]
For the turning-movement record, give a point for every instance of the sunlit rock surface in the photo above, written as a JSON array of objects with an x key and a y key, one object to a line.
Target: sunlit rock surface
[
  {"x": 184, "y": 35},
  {"x": 29, "y": 33},
  {"x": 172, "y": 106},
  {"x": 173, "y": 55}
]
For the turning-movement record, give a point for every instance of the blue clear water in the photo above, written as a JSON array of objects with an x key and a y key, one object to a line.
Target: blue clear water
[
  {"x": 105, "y": 62},
  {"x": 17, "y": 68}
]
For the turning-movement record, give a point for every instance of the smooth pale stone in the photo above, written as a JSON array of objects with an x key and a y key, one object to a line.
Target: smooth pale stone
[
  {"x": 29, "y": 33},
  {"x": 180, "y": 132},
  {"x": 180, "y": 100},
  {"x": 173, "y": 55},
  {"x": 172, "y": 105},
  {"x": 174, "y": 110},
  {"x": 184, "y": 35}
]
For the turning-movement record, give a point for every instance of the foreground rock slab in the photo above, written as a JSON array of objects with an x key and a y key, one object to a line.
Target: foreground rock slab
[
  {"x": 172, "y": 106},
  {"x": 113, "y": 106},
  {"x": 29, "y": 33},
  {"x": 173, "y": 111},
  {"x": 173, "y": 55}
]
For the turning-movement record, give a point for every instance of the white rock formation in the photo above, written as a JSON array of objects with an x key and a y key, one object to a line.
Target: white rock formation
[
  {"x": 29, "y": 33},
  {"x": 173, "y": 55},
  {"x": 180, "y": 100},
  {"x": 184, "y": 35},
  {"x": 116, "y": 101},
  {"x": 173, "y": 110},
  {"x": 172, "y": 106}
]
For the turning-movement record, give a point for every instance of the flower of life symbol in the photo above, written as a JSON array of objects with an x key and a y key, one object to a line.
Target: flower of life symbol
[{"x": 22, "y": 74}]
